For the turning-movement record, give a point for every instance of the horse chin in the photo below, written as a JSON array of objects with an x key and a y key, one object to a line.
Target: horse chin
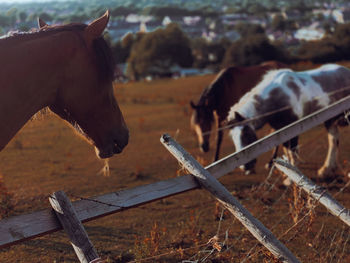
[{"x": 108, "y": 152}]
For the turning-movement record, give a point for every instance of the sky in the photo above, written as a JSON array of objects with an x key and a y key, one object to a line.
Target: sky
[{"x": 24, "y": 1}]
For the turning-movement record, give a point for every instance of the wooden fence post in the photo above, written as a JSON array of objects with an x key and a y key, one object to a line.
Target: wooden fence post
[
  {"x": 74, "y": 228},
  {"x": 210, "y": 183},
  {"x": 314, "y": 190}
]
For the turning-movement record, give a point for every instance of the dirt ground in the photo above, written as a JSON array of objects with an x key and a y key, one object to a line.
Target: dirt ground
[{"x": 47, "y": 156}]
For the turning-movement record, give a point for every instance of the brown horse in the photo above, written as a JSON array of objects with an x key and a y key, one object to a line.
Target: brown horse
[
  {"x": 226, "y": 90},
  {"x": 69, "y": 69}
]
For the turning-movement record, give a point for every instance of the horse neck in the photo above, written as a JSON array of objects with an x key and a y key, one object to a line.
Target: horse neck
[
  {"x": 223, "y": 97},
  {"x": 28, "y": 81},
  {"x": 235, "y": 84}
]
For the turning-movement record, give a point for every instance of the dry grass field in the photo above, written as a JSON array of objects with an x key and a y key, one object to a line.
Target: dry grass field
[{"x": 47, "y": 156}]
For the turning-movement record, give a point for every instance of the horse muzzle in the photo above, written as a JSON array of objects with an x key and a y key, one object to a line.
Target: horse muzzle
[{"x": 116, "y": 146}]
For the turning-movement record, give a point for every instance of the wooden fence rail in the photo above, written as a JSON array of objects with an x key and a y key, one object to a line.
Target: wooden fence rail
[
  {"x": 19, "y": 228},
  {"x": 317, "y": 192}
]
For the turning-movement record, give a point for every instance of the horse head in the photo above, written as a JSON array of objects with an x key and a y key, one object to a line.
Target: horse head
[
  {"x": 243, "y": 134},
  {"x": 86, "y": 99},
  {"x": 201, "y": 122}
]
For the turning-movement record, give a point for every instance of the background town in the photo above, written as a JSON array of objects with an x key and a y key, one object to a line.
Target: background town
[{"x": 176, "y": 38}]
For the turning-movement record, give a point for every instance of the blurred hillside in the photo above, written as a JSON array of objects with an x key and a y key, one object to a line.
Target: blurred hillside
[{"x": 177, "y": 37}]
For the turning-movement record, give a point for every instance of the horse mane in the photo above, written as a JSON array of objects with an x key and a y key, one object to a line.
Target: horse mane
[
  {"x": 104, "y": 58},
  {"x": 214, "y": 90}
]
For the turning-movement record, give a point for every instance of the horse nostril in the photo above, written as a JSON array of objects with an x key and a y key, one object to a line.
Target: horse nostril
[{"x": 121, "y": 141}]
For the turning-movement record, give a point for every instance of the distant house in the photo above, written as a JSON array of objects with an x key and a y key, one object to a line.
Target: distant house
[
  {"x": 232, "y": 19},
  {"x": 209, "y": 35},
  {"x": 166, "y": 21},
  {"x": 312, "y": 32},
  {"x": 341, "y": 15},
  {"x": 191, "y": 20},
  {"x": 135, "y": 18},
  {"x": 326, "y": 13}
]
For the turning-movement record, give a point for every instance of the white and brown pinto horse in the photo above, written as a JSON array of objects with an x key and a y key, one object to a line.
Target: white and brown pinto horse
[
  {"x": 299, "y": 93},
  {"x": 224, "y": 91},
  {"x": 69, "y": 69}
]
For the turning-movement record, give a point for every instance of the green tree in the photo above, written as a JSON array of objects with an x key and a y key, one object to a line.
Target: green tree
[
  {"x": 319, "y": 51},
  {"x": 156, "y": 52},
  {"x": 279, "y": 22},
  {"x": 253, "y": 50},
  {"x": 329, "y": 49},
  {"x": 22, "y": 16},
  {"x": 247, "y": 29},
  {"x": 121, "y": 49},
  {"x": 12, "y": 15},
  {"x": 4, "y": 21},
  {"x": 208, "y": 53}
]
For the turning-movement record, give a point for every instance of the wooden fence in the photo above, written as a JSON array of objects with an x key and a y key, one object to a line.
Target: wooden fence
[{"x": 19, "y": 228}]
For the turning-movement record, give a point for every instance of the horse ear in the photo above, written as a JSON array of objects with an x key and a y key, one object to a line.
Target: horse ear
[
  {"x": 239, "y": 117},
  {"x": 95, "y": 28},
  {"x": 41, "y": 23},
  {"x": 193, "y": 106}
]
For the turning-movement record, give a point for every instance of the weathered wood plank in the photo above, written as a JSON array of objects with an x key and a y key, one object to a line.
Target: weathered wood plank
[
  {"x": 317, "y": 192},
  {"x": 16, "y": 229},
  {"x": 68, "y": 218},
  {"x": 19, "y": 228},
  {"x": 211, "y": 184}
]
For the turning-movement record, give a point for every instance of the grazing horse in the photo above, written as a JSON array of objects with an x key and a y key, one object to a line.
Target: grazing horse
[
  {"x": 289, "y": 96},
  {"x": 226, "y": 89},
  {"x": 68, "y": 69}
]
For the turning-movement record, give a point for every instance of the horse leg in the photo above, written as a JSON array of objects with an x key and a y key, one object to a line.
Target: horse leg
[
  {"x": 290, "y": 149},
  {"x": 218, "y": 144},
  {"x": 274, "y": 155},
  {"x": 330, "y": 164}
]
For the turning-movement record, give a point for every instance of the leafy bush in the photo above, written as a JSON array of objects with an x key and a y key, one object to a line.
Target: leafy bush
[
  {"x": 253, "y": 50},
  {"x": 329, "y": 49},
  {"x": 156, "y": 52}
]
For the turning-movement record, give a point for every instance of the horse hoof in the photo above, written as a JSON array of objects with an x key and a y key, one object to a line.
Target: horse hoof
[
  {"x": 323, "y": 172},
  {"x": 326, "y": 172}
]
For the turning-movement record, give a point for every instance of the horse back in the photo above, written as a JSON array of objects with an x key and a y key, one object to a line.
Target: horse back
[
  {"x": 304, "y": 92},
  {"x": 233, "y": 82},
  {"x": 333, "y": 79}
]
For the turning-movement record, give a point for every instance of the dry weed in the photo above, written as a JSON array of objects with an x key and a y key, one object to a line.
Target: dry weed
[
  {"x": 296, "y": 204},
  {"x": 150, "y": 245},
  {"x": 6, "y": 200}
]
